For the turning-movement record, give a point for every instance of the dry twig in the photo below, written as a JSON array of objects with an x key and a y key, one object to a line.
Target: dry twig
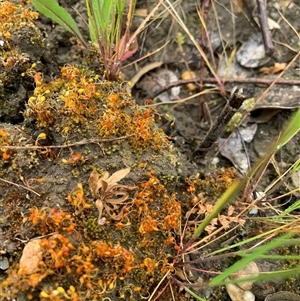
[
  {"x": 81, "y": 142},
  {"x": 210, "y": 80},
  {"x": 20, "y": 186}
]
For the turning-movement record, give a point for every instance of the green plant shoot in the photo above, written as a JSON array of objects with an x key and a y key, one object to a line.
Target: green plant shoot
[
  {"x": 58, "y": 14},
  {"x": 105, "y": 23}
]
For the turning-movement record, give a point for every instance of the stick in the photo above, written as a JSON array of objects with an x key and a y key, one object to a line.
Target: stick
[
  {"x": 211, "y": 80},
  {"x": 20, "y": 186},
  {"x": 236, "y": 100},
  {"x": 81, "y": 142},
  {"x": 263, "y": 20}
]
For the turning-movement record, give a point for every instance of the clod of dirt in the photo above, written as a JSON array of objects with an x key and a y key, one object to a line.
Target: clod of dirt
[{"x": 95, "y": 128}]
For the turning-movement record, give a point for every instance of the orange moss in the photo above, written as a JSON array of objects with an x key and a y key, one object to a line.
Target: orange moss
[
  {"x": 50, "y": 220},
  {"x": 103, "y": 250},
  {"x": 159, "y": 215},
  {"x": 78, "y": 200},
  {"x": 149, "y": 264},
  {"x": 212, "y": 184},
  {"x": 173, "y": 211},
  {"x": 12, "y": 16},
  {"x": 93, "y": 267},
  {"x": 80, "y": 97},
  {"x": 5, "y": 154},
  {"x": 58, "y": 248},
  {"x": 148, "y": 225}
]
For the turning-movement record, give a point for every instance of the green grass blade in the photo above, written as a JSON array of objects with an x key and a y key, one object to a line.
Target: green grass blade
[
  {"x": 52, "y": 10},
  {"x": 279, "y": 274},
  {"x": 227, "y": 196},
  {"x": 193, "y": 294},
  {"x": 291, "y": 129},
  {"x": 92, "y": 24},
  {"x": 297, "y": 164},
  {"x": 245, "y": 241},
  {"x": 293, "y": 207},
  {"x": 256, "y": 253}
]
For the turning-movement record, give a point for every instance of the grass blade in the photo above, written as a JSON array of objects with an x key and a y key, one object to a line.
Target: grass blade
[
  {"x": 260, "y": 251},
  {"x": 52, "y": 10}
]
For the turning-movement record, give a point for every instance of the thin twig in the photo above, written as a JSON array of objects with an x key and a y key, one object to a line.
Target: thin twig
[
  {"x": 81, "y": 142},
  {"x": 20, "y": 186},
  {"x": 179, "y": 101},
  {"x": 266, "y": 33},
  {"x": 211, "y": 80},
  {"x": 277, "y": 80}
]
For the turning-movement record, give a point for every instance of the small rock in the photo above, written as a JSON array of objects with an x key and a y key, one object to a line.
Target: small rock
[
  {"x": 249, "y": 270},
  {"x": 252, "y": 53},
  {"x": 4, "y": 264},
  {"x": 238, "y": 294}
]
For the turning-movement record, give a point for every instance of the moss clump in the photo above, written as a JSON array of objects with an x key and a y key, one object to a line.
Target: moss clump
[
  {"x": 131, "y": 253},
  {"x": 80, "y": 102},
  {"x": 12, "y": 17},
  {"x": 22, "y": 45}
]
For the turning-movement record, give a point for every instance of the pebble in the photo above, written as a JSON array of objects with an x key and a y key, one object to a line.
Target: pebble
[{"x": 4, "y": 264}]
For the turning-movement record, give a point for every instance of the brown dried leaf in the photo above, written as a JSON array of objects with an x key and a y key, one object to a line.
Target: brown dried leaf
[
  {"x": 117, "y": 176},
  {"x": 238, "y": 6},
  {"x": 278, "y": 67},
  {"x": 112, "y": 196},
  {"x": 141, "y": 12},
  {"x": 99, "y": 205},
  {"x": 224, "y": 221},
  {"x": 104, "y": 186},
  {"x": 31, "y": 256},
  {"x": 105, "y": 176},
  {"x": 209, "y": 229},
  {"x": 189, "y": 75},
  {"x": 94, "y": 182},
  {"x": 230, "y": 210}
]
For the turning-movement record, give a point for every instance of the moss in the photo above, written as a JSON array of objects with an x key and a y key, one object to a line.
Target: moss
[
  {"x": 292, "y": 284},
  {"x": 137, "y": 247},
  {"x": 81, "y": 102},
  {"x": 22, "y": 46}
]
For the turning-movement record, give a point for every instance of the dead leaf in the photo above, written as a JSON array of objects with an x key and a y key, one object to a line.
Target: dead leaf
[
  {"x": 157, "y": 80},
  {"x": 189, "y": 75},
  {"x": 111, "y": 196},
  {"x": 251, "y": 53},
  {"x": 238, "y": 6},
  {"x": 278, "y": 67},
  {"x": 141, "y": 12},
  {"x": 31, "y": 256},
  {"x": 271, "y": 23},
  {"x": 93, "y": 181},
  {"x": 116, "y": 177}
]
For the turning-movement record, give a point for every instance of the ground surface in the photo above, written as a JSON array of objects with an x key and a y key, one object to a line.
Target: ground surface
[{"x": 97, "y": 240}]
